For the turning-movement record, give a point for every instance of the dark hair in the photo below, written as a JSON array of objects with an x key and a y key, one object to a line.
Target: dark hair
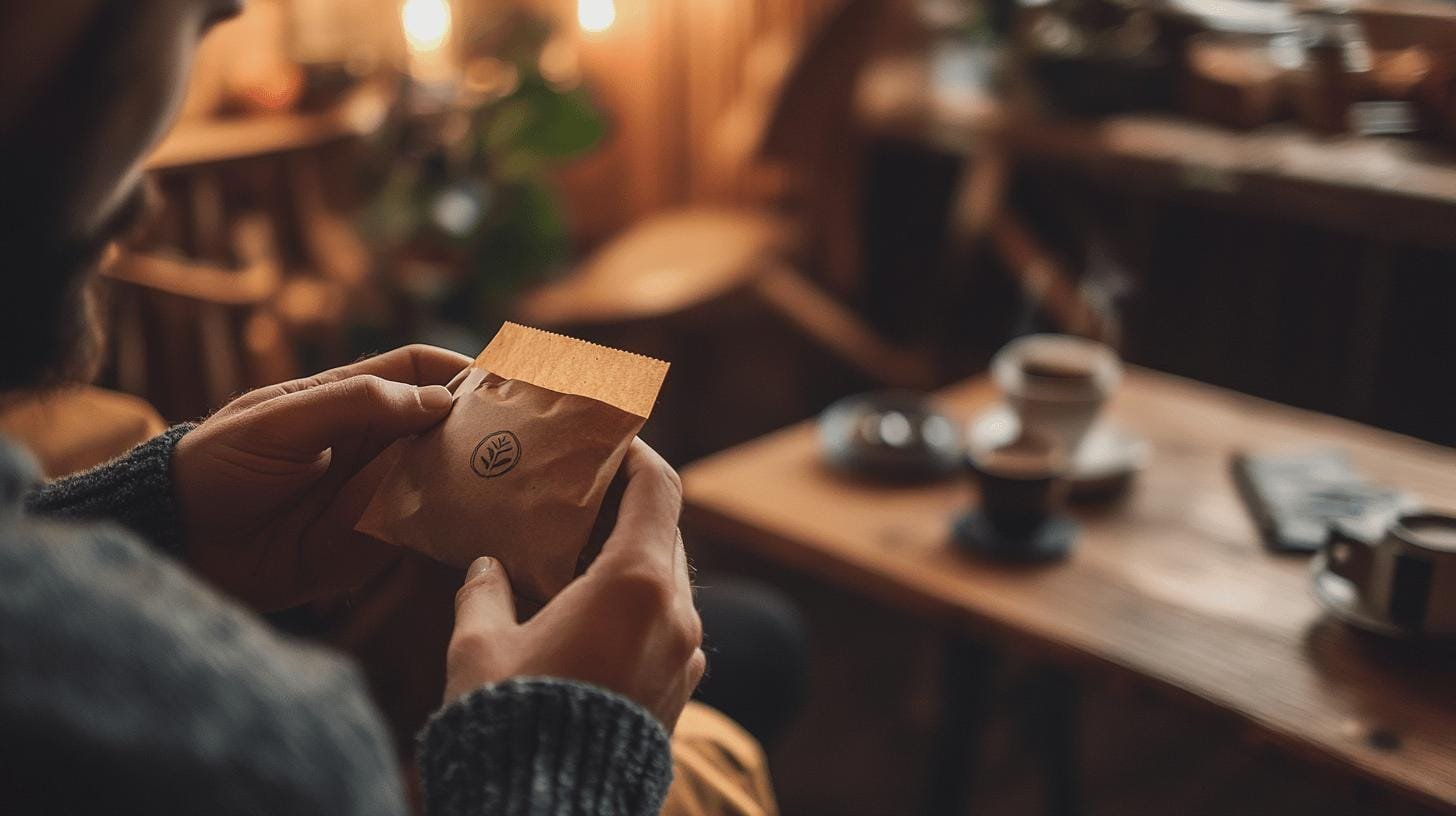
[{"x": 48, "y": 331}]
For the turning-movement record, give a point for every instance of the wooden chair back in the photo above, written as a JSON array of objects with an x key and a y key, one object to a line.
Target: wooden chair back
[
  {"x": 816, "y": 96},
  {"x": 794, "y": 130},
  {"x": 796, "y": 90}
]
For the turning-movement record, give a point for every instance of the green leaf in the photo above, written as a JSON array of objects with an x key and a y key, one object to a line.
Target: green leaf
[
  {"x": 393, "y": 216},
  {"x": 566, "y": 124},
  {"x": 524, "y": 244},
  {"x": 538, "y": 125}
]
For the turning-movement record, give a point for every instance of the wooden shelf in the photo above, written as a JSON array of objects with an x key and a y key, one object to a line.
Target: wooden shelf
[
  {"x": 195, "y": 142},
  {"x": 1401, "y": 189}
]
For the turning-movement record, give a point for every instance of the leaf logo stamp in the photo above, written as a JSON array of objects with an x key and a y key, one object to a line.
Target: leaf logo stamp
[{"x": 496, "y": 455}]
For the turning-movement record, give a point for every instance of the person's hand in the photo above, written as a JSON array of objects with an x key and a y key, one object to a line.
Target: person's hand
[
  {"x": 628, "y": 624},
  {"x": 263, "y": 486}
]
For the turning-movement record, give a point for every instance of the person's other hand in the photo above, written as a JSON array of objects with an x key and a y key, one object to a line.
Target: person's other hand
[
  {"x": 627, "y": 624},
  {"x": 263, "y": 486}
]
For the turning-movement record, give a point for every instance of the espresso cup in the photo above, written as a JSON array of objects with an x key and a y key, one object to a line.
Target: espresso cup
[
  {"x": 1057, "y": 385},
  {"x": 1021, "y": 483},
  {"x": 1406, "y": 576}
]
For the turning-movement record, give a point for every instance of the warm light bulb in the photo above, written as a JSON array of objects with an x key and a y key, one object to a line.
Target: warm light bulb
[
  {"x": 426, "y": 23},
  {"x": 595, "y": 16}
]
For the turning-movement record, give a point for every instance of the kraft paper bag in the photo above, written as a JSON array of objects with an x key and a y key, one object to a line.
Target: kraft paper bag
[{"x": 519, "y": 469}]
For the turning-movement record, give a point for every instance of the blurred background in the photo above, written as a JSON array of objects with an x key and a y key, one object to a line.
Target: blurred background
[
  {"x": 810, "y": 196},
  {"x": 796, "y": 200}
]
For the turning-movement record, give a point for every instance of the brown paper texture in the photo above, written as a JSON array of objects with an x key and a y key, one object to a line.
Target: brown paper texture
[
  {"x": 519, "y": 468},
  {"x": 619, "y": 378}
]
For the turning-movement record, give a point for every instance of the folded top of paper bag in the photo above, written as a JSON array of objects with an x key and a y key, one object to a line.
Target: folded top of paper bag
[{"x": 624, "y": 380}]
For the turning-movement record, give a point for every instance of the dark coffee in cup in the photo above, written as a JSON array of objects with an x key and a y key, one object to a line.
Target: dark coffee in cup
[
  {"x": 1434, "y": 532},
  {"x": 1017, "y": 518},
  {"x": 1053, "y": 369},
  {"x": 1020, "y": 483}
]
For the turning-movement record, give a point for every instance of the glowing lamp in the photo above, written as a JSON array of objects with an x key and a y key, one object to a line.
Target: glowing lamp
[{"x": 595, "y": 16}]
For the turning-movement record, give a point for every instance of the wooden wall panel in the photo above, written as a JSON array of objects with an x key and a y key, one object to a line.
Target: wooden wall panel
[{"x": 666, "y": 71}]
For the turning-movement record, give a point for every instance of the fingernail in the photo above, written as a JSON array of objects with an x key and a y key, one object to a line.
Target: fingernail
[
  {"x": 479, "y": 567},
  {"x": 435, "y": 398}
]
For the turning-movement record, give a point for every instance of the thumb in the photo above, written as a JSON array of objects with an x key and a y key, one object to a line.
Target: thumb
[
  {"x": 353, "y": 412},
  {"x": 484, "y": 602}
]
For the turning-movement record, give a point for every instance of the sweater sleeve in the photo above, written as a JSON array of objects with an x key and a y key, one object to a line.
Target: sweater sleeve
[
  {"x": 134, "y": 491},
  {"x": 128, "y": 687},
  {"x": 537, "y": 746},
  {"x": 544, "y": 746}
]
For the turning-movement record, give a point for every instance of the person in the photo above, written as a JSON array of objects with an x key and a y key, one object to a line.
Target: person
[{"x": 135, "y": 673}]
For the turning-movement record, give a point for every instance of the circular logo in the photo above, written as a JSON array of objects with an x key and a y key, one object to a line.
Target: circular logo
[{"x": 496, "y": 454}]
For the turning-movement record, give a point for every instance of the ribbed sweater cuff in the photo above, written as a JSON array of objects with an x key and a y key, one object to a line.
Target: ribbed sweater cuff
[
  {"x": 544, "y": 746},
  {"x": 134, "y": 490}
]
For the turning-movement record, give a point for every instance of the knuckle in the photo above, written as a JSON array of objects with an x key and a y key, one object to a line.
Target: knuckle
[
  {"x": 371, "y": 386},
  {"x": 652, "y": 464},
  {"x": 464, "y": 593},
  {"x": 695, "y": 629},
  {"x": 467, "y": 647},
  {"x": 644, "y": 592},
  {"x": 359, "y": 389},
  {"x": 687, "y": 633},
  {"x": 697, "y": 666},
  {"x": 671, "y": 480},
  {"x": 418, "y": 354},
  {"x": 421, "y": 355},
  {"x": 480, "y": 584}
]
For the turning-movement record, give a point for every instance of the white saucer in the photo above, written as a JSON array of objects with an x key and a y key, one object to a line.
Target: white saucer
[
  {"x": 1339, "y": 598},
  {"x": 1109, "y": 454}
]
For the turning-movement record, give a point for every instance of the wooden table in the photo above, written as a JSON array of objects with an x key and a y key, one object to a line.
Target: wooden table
[{"x": 1170, "y": 586}]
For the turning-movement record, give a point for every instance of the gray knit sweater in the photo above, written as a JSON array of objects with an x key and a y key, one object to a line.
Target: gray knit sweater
[{"x": 126, "y": 686}]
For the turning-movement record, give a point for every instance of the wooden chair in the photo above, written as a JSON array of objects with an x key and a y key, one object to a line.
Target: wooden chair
[
  {"x": 248, "y": 257},
  {"x": 78, "y": 428},
  {"x": 786, "y": 144}
]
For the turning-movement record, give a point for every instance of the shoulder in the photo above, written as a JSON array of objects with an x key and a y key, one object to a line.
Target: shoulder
[{"x": 108, "y": 649}]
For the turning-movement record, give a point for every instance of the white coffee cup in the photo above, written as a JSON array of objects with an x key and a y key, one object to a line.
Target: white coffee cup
[
  {"x": 1408, "y": 575},
  {"x": 1057, "y": 384}
]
